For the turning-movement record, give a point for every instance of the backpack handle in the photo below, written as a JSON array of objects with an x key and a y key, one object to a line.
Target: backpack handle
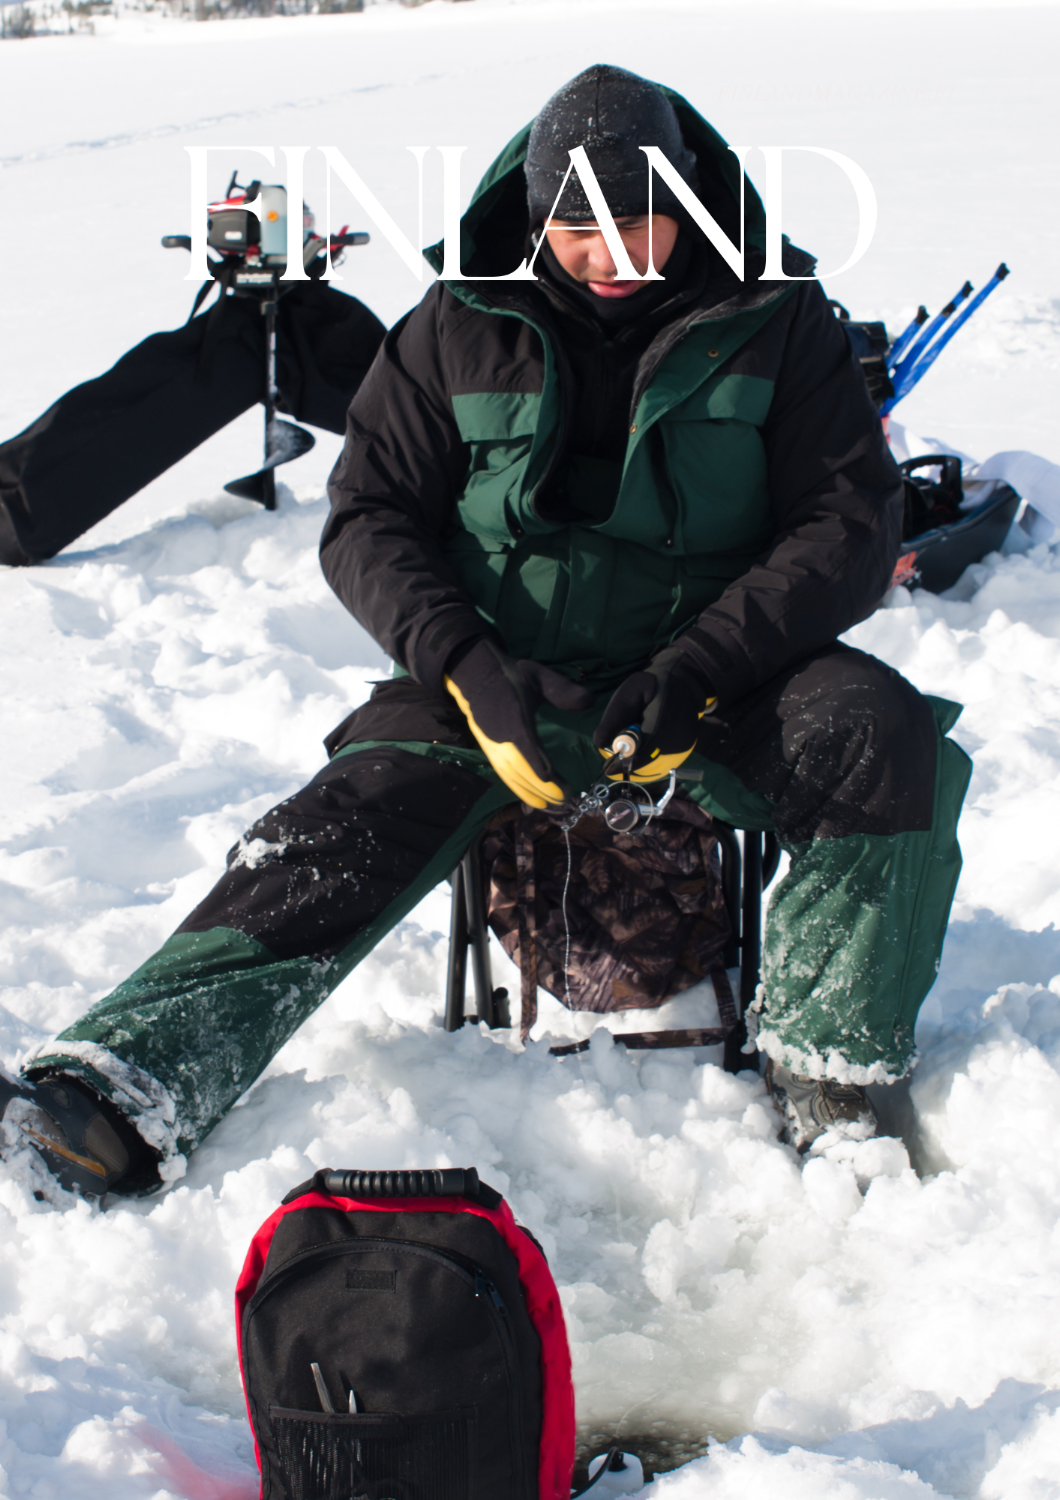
[{"x": 433, "y": 1182}]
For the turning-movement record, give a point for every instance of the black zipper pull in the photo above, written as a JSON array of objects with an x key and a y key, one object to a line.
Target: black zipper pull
[{"x": 485, "y": 1288}]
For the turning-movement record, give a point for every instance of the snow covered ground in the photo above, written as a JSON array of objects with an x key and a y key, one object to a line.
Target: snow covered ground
[{"x": 878, "y": 1324}]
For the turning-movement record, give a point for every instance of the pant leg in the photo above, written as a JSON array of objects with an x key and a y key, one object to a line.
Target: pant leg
[
  {"x": 851, "y": 766},
  {"x": 309, "y": 891}
]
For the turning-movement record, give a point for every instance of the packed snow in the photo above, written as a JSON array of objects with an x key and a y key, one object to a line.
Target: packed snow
[{"x": 878, "y": 1322}]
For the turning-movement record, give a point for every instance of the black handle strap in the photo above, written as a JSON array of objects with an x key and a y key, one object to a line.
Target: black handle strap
[
  {"x": 431, "y": 1182},
  {"x": 436, "y": 1182}
]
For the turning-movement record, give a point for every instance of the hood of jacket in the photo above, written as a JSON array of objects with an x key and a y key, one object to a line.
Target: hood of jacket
[{"x": 495, "y": 227}]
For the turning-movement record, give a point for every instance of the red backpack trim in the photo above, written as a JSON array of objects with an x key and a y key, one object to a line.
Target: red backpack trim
[{"x": 556, "y": 1463}]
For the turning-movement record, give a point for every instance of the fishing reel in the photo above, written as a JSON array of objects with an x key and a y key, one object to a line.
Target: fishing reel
[
  {"x": 626, "y": 812},
  {"x": 626, "y": 806}
]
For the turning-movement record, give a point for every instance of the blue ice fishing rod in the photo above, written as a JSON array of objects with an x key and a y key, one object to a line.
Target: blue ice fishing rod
[
  {"x": 925, "y": 361},
  {"x": 901, "y": 343},
  {"x": 897, "y": 368},
  {"x": 922, "y": 353}
]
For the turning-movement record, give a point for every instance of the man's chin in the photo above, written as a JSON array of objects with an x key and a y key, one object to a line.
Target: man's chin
[{"x": 615, "y": 289}]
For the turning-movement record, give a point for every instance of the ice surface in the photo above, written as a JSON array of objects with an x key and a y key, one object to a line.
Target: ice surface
[{"x": 879, "y": 1324}]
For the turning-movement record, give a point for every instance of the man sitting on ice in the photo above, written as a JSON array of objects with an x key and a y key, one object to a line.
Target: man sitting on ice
[{"x": 565, "y": 506}]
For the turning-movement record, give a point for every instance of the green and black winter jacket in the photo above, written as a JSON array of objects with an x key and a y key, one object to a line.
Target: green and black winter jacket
[{"x": 758, "y": 513}]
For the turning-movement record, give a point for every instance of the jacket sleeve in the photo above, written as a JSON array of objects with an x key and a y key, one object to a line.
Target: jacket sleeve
[
  {"x": 393, "y": 494},
  {"x": 836, "y": 497}
]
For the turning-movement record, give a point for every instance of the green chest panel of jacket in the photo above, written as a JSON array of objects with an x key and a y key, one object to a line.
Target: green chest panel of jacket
[{"x": 692, "y": 510}]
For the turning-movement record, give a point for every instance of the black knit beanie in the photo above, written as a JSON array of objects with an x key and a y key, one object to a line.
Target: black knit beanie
[{"x": 612, "y": 114}]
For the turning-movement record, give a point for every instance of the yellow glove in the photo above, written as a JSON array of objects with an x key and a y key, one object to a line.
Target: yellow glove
[
  {"x": 665, "y": 705},
  {"x": 499, "y": 698}
]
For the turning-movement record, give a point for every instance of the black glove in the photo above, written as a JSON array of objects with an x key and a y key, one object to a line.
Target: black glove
[
  {"x": 664, "y": 704},
  {"x": 500, "y": 696}
]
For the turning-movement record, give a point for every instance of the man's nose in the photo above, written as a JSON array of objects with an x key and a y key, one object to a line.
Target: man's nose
[
  {"x": 601, "y": 264},
  {"x": 601, "y": 261}
]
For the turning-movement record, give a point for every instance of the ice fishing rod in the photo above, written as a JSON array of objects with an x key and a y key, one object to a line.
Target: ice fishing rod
[
  {"x": 901, "y": 343},
  {"x": 918, "y": 351},
  {"x": 899, "y": 362},
  {"x": 924, "y": 361}
]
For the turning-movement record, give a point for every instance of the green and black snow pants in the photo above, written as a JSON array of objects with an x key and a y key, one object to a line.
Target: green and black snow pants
[{"x": 840, "y": 755}]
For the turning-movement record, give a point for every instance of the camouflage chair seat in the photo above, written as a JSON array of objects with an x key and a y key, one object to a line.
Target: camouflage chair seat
[{"x": 609, "y": 921}]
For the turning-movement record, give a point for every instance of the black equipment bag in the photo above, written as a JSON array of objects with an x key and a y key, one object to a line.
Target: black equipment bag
[
  {"x": 939, "y": 538},
  {"x": 401, "y": 1338},
  {"x": 110, "y": 437}
]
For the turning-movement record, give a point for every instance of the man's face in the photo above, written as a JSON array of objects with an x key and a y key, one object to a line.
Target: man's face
[{"x": 582, "y": 251}]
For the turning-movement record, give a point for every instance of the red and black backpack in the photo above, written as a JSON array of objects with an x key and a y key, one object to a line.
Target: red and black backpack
[{"x": 401, "y": 1338}]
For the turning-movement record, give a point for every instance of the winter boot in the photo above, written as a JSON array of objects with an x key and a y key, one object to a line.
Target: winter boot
[
  {"x": 63, "y": 1123},
  {"x": 810, "y": 1106}
]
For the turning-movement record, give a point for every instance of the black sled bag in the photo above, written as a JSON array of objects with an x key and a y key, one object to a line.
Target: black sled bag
[
  {"x": 401, "y": 1338},
  {"x": 939, "y": 537}
]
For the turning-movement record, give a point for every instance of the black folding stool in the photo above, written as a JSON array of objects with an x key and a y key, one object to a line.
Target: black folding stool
[{"x": 745, "y": 874}]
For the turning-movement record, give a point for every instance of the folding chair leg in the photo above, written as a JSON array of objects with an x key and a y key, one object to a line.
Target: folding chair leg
[
  {"x": 751, "y": 923},
  {"x": 749, "y": 874},
  {"x": 456, "y": 983},
  {"x": 731, "y": 888},
  {"x": 468, "y": 929},
  {"x": 491, "y": 1004}
]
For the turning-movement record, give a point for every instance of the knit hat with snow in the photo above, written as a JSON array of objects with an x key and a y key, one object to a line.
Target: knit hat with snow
[{"x": 612, "y": 114}]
